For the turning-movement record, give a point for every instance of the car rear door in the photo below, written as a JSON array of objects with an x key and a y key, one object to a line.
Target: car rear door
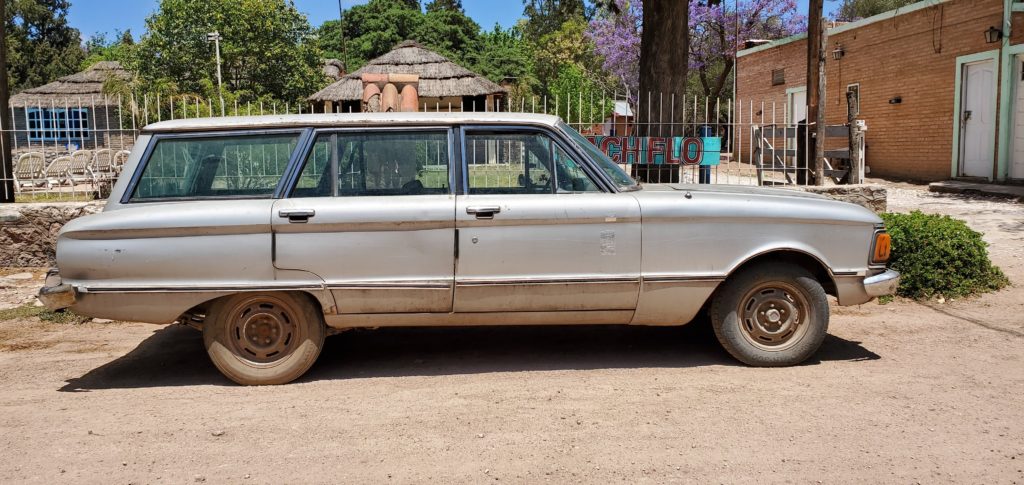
[
  {"x": 536, "y": 232},
  {"x": 372, "y": 213}
]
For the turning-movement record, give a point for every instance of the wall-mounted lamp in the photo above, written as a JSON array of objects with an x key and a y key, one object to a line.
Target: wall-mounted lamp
[
  {"x": 838, "y": 52},
  {"x": 896, "y": 100},
  {"x": 993, "y": 35}
]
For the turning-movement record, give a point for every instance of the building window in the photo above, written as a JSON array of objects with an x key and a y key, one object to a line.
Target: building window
[
  {"x": 57, "y": 124},
  {"x": 778, "y": 76},
  {"x": 853, "y": 96}
]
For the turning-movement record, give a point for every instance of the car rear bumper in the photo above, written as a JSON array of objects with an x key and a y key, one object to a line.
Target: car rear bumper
[
  {"x": 55, "y": 294},
  {"x": 882, "y": 284}
]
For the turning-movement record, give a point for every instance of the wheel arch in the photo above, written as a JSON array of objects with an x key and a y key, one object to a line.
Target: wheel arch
[
  {"x": 195, "y": 315},
  {"x": 805, "y": 259}
]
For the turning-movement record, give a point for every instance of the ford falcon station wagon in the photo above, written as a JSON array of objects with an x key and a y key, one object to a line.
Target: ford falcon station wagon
[{"x": 268, "y": 233}]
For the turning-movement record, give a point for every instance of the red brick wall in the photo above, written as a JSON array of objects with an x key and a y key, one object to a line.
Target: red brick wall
[{"x": 912, "y": 56}]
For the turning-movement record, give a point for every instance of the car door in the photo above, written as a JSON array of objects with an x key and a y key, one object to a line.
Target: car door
[
  {"x": 536, "y": 232},
  {"x": 372, "y": 214}
]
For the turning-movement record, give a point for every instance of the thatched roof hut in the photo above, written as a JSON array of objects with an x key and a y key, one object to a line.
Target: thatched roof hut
[
  {"x": 441, "y": 81},
  {"x": 80, "y": 88}
]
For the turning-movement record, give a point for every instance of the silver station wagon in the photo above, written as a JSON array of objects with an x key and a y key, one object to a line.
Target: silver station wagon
[{"x": 269, "y": 233}]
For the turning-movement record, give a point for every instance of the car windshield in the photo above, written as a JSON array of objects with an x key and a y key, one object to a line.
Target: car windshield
[{"x": 613, "y": 170}]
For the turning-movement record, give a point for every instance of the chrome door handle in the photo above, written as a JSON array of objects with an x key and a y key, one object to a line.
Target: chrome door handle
[
  {"x": 483, "y": 211},
  {"x": 296, "y": 215}
]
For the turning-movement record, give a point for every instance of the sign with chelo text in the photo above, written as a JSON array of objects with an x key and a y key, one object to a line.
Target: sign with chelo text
[{"x": 656, "y": 150}]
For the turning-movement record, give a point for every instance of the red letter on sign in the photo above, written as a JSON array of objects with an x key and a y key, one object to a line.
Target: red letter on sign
[{"x": 693, "y": 149}]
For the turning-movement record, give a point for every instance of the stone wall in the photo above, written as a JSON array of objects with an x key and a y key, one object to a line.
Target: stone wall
[
  {"x": 28, "y": 232},
  {"x": 872, "y": 197}
]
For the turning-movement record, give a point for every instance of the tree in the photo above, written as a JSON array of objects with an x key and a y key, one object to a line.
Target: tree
[
  {"x": 544, "y": 17},
  {"x": 851, "y": 10},
  {"x": 616, "y": 37},
  {"x": 566, "y": 46},
  {"x": 449, "y": 32},
  {"x": 713, "y": 35},
  {"x": 440, "y": 5},
  {"x": 98, "y": 48},
  {"x": 41, "y": 46},
  {"x": 503, "y": 54},
  {"x": 371, "y": 29},
  {"x": 577, "y": 98},
  {"x": 266, "y": 47}
]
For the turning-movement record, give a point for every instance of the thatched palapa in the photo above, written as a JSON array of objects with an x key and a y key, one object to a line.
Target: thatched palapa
[
  {"x": 81, "y": 88},
  {"x": 441, "y": 81}
]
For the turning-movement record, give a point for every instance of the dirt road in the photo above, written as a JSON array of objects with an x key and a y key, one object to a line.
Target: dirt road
[{"x": 901, "y": 393}]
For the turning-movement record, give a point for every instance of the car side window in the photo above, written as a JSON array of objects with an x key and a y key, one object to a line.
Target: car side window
[
  {"x": 522, "y": 163},
  {"x": 233, "y": 166},
  {"x": 348, "y": 164}
]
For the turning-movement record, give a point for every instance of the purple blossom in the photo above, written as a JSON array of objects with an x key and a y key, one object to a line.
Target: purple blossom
[{"x": 713, "y": 32}]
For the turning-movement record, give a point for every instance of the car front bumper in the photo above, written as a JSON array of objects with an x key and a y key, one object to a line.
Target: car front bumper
[
  {"x": 55, "y": 294},
  {"x": 882, "y": 284}
]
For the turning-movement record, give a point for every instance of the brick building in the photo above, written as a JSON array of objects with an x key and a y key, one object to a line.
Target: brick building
[{"x": 940, "y": 84}]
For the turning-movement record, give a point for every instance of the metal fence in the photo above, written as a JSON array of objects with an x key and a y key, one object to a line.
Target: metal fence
[{"x": 75, "y": 149}]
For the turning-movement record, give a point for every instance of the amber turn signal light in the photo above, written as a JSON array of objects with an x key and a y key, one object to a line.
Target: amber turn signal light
[{"x": 883, "y": 246}]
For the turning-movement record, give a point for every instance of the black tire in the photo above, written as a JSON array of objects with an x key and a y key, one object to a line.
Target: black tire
[
  {"x": 264, "y": 338},
  {"x": 771, "y": 315}
]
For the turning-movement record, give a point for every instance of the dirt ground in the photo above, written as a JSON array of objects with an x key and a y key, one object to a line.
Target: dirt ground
[{"x": 899, "y": 393}]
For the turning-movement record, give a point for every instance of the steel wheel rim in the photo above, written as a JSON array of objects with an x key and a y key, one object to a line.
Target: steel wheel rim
[
  {"x": 263, "y": 330},
  {"x": 773, "y": 316}
]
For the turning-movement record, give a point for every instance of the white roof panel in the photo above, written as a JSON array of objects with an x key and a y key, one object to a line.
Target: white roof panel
[{"x": 344, "y": 119}]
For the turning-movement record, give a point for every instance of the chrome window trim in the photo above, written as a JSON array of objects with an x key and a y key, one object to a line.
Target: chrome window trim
[
  {"x": 315, "y": 133},
  {"x": 126, "y": 197}
]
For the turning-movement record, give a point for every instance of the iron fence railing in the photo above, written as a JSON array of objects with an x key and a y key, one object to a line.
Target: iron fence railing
[{"x": 74, "y": 149}]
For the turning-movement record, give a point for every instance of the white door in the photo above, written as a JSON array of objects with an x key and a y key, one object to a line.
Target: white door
[
  {"x": 977, "y": 119},
  {"x": 1017, "y": 164},
  {"x": 797, "y": 105}
]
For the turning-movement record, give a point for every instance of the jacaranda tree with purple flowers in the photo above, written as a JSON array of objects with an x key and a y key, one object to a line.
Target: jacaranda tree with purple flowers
[{"x": 713, "y": 33}]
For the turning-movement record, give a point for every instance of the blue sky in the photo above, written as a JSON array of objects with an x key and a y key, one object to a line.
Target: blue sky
[{"x": 99, "y": 16}]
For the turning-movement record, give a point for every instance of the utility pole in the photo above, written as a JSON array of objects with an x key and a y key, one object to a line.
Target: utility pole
[
  {"x": 7, "y": 163},
  {"x": 344, "y": 43},
  {"x": 215, "y": 38},
  {"x": 816, "y": 84}
]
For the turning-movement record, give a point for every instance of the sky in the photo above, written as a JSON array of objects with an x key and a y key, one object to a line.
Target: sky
[{"x": 107, "y": 16}]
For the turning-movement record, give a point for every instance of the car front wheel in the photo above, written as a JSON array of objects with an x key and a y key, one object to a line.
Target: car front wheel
[
  {"x": 771, "y": 315},
  {"x": 264, "y": 338}
]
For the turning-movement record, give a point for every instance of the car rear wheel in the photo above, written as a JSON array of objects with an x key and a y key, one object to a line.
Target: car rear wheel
[
  {"x": 771, "y": 315},
  {"x": 264, "y": 338}
]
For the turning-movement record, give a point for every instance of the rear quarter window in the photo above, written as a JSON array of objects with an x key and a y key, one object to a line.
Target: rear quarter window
[{"x": 227, "y": 166}]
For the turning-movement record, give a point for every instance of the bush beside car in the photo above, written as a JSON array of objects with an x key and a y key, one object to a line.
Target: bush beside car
[{"x": 940, "y": 256}]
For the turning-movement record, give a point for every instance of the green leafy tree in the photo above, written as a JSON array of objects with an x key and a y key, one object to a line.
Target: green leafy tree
[
  {"x": 503, "y": 55},
  {"x": 569, "y": 45},
  {"x": 439, "y": 5},
  {"x": 449, "y": 32},
  {"x": 374, "y": 28},
  {"x": 99, "y": 48},
  {"x": 544, "y": 17},
  {"x": 851, "y": 10},
  {"x": 577, "y": 98},
  {"x": 41, "y": 46},
  {"x": 371, "y": 30},
  {"x": 266, "y": 49}
]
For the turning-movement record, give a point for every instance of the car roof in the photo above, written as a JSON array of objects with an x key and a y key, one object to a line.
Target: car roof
[{"x": 345, "y": 119}]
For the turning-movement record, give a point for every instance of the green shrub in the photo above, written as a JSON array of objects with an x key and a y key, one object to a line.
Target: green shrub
[{"x": 939, "y": 255}]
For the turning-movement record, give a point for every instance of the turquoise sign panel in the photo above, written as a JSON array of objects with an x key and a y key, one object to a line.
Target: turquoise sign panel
[{"x": 654, "y": 150}]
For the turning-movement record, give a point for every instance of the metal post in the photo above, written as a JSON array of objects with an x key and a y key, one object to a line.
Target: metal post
[{"x": 215, "y": 37}]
